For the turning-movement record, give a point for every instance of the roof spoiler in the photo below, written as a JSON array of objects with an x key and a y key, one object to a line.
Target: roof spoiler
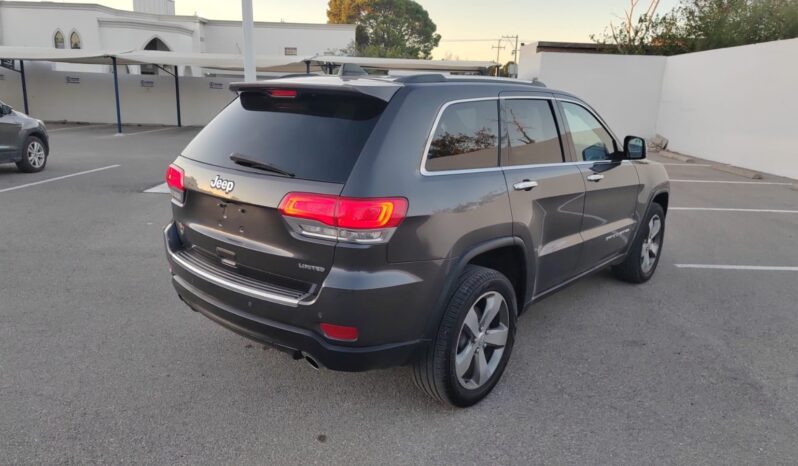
[{"x": 383, "y": 90}]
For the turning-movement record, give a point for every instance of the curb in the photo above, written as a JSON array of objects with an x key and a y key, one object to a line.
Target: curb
[
  {"x": 675, "y": 156},
  {"x": 738, "y": 171}
]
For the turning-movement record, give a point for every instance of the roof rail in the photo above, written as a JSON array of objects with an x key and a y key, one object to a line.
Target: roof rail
[
  {"x": 421, "y": 78},
  {"x": 440, "y": 78}
]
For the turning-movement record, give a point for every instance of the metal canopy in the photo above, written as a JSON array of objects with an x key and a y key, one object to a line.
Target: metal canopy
[
  {"x": 406, "y": 64},
  {"x": 221, "y": 61}
]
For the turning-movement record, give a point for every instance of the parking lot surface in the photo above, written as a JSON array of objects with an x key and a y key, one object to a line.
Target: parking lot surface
[{"x": 101, "y": 362}]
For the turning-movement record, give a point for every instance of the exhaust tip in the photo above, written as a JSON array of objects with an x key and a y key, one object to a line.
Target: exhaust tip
[{"x": 310, "y": 360}]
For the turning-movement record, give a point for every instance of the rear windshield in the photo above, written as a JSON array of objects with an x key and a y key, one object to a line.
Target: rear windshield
[{"x": 314, "y": 135}]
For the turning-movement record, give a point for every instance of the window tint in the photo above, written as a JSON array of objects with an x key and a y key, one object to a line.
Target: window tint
[
  {"x": 532, "y": 133},
  {"x": 466, "y": 137},
  {"x": 591, "y": 140},
  {"x": 315, "y": 136}
]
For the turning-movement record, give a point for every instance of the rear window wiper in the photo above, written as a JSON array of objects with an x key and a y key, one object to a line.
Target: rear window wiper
[{"x": 247, "y": 162}]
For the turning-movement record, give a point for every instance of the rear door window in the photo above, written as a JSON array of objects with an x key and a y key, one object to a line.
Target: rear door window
[
  {"x": 531, "y": 132},
  {"x": 466, "y": 137},
  {"x": 314, "y": 135}
]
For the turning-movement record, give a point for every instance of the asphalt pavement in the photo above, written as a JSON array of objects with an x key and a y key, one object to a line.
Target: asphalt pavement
[{"x": 101, "y": 363}]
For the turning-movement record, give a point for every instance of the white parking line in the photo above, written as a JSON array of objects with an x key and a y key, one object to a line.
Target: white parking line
[
  {"x": 57, "y": 178},
  {"x": 737, "y": 267},
  {"x": 722, "y": 209},
  {"x": 79, "y": 127},
  {"x": 733, "y": 182},
  {"x": 686, "y": 164},
  {"x": 142, "y": 132},
  {"x": 162, "y": 188}
]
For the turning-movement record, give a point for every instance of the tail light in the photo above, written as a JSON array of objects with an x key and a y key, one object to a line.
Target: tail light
[
  {"x": 174, "y": 179},
  {"x": 356, "y": 220}
]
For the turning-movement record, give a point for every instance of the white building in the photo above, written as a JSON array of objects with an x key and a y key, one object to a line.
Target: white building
[{"x": 154, "y": 26}]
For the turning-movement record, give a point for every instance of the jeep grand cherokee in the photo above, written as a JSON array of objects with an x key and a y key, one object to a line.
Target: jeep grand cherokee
[{"x": 363, "y": 223}]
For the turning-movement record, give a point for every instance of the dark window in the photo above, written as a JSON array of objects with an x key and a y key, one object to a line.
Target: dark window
[
  {"x": 315, "y": 135},
  {"x": 290, "y": 50},
  {"x": 58, "y": 40},
  {"x": 74, "y": 40},
  {"x": 531, "y": 132},
  {"x": 466, "y": 137},
  {"x": 591, "y": 140}
]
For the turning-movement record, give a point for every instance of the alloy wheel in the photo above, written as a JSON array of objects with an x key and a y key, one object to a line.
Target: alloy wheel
[
  {"x": 36, "y": 155},
  {"x": 651, "y": 244},
  {"x": 482, "y": 340}
]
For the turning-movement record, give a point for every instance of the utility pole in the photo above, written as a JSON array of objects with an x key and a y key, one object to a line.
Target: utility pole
[
  {"x": 515, "y": 48},
  {"x": 498, "y": 48},
  {"x": 249, "y": 52}
]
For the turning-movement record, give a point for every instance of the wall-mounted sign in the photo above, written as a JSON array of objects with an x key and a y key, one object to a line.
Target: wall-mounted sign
[
  {"x": 146, "y": 83},
  {"x": 214, "y": 85},
  {"x": 72, "y": 80}
]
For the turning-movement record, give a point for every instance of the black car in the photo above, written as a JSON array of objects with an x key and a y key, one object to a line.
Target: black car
[
  {"x": 363, "y": 223},
  {"x": 23, "y": 140}
]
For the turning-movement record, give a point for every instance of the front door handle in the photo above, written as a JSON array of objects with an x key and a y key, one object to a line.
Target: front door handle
[
  {"x": 596, "y": 177},
  {"x": 525, "y": 185}
]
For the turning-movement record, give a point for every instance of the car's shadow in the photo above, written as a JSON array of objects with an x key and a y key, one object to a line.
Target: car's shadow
[{"x": 393, "y": 389}]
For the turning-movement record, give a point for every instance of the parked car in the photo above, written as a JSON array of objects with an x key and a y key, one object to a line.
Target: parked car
[
  {"x": 362, "y": 223},
  {"x": 23, "y": 140}
]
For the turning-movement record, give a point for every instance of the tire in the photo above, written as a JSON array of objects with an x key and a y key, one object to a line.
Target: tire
[
  {"x": 635, "y": 268},
  {"x": 436, "y": 370},
  {"x": 34, "y": 155}
]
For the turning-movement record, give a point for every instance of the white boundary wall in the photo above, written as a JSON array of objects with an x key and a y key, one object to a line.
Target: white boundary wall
[
  {"x": 624, "y": 89},
  {"x": 51, "y": 98},
  {"x": 735, "y": 105}
]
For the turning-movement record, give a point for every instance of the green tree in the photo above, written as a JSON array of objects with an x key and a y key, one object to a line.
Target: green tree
[
  {"x": 633, "y": 35},
  {"x": 387, "y": 28},
  {"x": 697, "y": 25}
]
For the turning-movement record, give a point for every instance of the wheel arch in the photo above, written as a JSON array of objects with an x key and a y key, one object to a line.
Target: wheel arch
[{"x": 486, "y": 254}]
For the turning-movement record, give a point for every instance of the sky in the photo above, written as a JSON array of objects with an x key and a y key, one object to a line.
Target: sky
[{"x": 469, "y": 28}]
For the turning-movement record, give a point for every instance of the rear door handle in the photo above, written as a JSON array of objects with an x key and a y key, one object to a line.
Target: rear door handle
[
  {"x": 525, "y": 185},
  {"x": 596, "y": 177}
]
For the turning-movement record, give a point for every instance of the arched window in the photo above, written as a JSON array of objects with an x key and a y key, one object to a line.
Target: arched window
[
  {"x": 74, "y": 40},
  {"x": 154, "y": 44},
  {"x": 58, "y": 40}
]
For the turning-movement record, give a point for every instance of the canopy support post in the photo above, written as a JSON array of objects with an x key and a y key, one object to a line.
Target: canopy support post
[
  {"x": 116, "y": 94},
  {"x": 177, "y": 98},
  {"x": 24, "y": 86},
  {"x": 307, "y": 66}
]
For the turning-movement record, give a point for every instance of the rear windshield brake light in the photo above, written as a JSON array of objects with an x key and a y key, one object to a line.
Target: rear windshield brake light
[{"x": 283, "y": 93}]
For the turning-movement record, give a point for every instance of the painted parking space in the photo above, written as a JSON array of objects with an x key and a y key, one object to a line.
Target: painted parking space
[{"x": 704, "y": 349}]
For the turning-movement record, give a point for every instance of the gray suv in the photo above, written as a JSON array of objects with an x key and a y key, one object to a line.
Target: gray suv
[
  {"x": 362, "y": 223},
  {"x": 23, "y": 140}
]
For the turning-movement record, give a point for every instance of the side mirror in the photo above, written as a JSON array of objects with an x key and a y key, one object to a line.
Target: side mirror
[
  {"x": 634, "y": 148},
  {"x": 5, "y": 110}
]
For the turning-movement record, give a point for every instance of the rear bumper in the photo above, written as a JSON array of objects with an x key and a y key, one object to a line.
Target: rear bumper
[
  {"x": 295, "y": 340},
  {"x": 293, "y": 326}
]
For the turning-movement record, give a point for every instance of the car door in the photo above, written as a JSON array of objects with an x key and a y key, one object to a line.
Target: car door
[
  {"x": 546, "y": 193},
  {"x": 9, "y": 131},
  {"x": 612, "y": 185}
]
